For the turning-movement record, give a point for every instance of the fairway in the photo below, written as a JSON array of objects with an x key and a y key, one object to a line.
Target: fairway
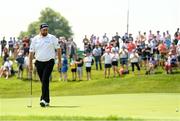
[{"x": 159, "y": 106}]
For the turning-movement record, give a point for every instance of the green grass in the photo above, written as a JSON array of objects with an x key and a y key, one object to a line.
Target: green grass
[
  {"x": 129, "y": 98},
  {"x": 125, "y": 107},
  {"x": 66, "y": 118},
  {"x": 158, "y": 83}
]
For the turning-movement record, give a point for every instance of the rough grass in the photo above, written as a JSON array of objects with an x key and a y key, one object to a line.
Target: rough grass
[
  {"x": 66, "y": 118},
  {"x": 131, "y": 83}
]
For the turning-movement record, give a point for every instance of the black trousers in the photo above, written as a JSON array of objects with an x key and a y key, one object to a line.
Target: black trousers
[
  {"x": 136, "y": 64},
  {"x": 44, "y": 70}
]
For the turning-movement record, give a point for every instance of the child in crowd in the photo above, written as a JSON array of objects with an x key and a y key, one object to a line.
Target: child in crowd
[
  {"x": 79, "y": 63},
  {"x": 64, "y": 68},
  {"x": 73, "y": 68}
]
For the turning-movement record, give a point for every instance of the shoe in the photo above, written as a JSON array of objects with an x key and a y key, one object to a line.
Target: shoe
[{"x": 43, "y": 103}]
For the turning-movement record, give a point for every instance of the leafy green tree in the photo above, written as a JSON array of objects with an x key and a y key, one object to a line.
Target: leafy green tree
[{"x": 58, "y": 25}]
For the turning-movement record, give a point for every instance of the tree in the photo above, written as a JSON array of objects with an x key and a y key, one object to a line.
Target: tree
[{"x": 58, "y": 25}]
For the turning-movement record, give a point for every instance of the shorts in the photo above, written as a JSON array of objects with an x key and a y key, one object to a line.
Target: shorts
[
  {"x": 107, "y": 65},
  {"x": 123, "y": 61},
  {"x": 64, "y": 69},
  {"x": 79, "y": 69},
  {"x": 88, "y": 69},
  {"x": 73, "y": 70},
  {"x": 115, "y": 63}
]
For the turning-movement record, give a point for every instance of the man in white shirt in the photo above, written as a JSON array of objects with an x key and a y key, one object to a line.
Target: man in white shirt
[{"x": 43, "y": 46}]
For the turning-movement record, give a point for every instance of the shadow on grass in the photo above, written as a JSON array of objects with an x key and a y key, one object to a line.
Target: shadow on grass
[
  {"x": 158, "y": 72},
  {"x": 58, "y": 106},
  {"x": 176, "y": 72}
]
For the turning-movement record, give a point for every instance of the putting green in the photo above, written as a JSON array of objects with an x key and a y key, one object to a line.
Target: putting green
[{"x": 143, "y": 106}]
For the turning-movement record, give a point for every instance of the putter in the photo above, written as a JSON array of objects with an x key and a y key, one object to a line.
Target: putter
[{"x": 30, "y": 103}]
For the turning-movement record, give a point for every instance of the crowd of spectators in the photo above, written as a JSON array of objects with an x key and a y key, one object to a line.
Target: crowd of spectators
[{"x": 146, "y": 51}]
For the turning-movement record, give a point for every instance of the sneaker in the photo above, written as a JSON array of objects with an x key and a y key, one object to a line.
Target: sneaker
[{"x": 43, "y": 103}]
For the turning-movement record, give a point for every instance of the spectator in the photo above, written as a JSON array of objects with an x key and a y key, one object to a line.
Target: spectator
[
  {"x": 158, "y": 36},
  {"x": 86, "y": 42},
  {"x": 3, "y": 45},
  {"x": 20, "y": 62},
  {"x": 125, "y": 38},
  {"x": 64, "y": 68},
  {"x": 117, "y": 38},
  {"x": 163, "y": 51},
  {"x": 151, "y": 66},
  {"x": 178, "y": 54},
  {"x": 5, "y": 54},
  {"x": 115, "y": 58},
  {"x": 134, "y": 59},
  {"x": 168, "y": 66},
  {"x": 123, "y": 71},
  {"x": 88, "y": 62},
  {"x": 11, "y": 45},
  {"x": 6, "y": 69},
  {"x": 25, "y": 65},
  {"x": 150, "y": 37},
  {"x": 146, "y": 54},
  {"x": 176, "y": 36},
  {"x": 105, "y": 39},
  {"x": 107, "y": 57},
  {"x": 79, "y": 62},
  {"x": 72, "y": 49},
  {"x": 73, "y": 68},
  {"x": 97, "y": 56},
  {"x": 123, "y": 53}
]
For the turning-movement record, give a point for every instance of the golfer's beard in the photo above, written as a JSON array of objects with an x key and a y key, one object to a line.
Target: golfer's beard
[{"x": 44, "y": 34}]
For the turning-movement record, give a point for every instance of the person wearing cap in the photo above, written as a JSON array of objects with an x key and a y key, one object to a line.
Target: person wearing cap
[{"x": 44, "y": 46}]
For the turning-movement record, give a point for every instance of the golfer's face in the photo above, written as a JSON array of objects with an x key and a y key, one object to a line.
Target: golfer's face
[{"x": 44, "y": 31}]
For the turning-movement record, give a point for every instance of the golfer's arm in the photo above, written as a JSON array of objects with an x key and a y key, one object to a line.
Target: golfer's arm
[{"x": 31, "y": 55}]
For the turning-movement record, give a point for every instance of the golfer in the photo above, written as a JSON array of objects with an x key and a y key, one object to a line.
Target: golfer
[{"x": 44, "y": 46}]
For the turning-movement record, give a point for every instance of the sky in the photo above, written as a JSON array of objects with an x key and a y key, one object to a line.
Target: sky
[{"x": 97, "y": 17}]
